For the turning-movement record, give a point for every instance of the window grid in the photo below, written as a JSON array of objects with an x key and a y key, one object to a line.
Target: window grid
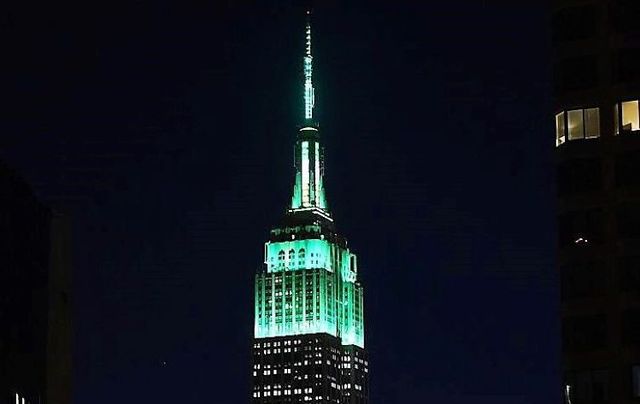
[{"x": 577, "y": 124}]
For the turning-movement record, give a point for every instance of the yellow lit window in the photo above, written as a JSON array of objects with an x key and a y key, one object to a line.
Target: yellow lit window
[
  {"x": 630, "y": 116},
  {"x": 575, "y": 124},
  {"x": 560, "y": 137}
]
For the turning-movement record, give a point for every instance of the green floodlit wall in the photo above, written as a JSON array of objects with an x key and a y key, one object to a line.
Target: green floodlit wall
[
  {"x": 310, "y": 253},
  {"x": 308, "y": 187},
  {"x": 301, "y": 291}
]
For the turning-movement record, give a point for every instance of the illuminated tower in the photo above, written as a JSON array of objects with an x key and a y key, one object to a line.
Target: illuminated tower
[{"x": 309, "y": 324}]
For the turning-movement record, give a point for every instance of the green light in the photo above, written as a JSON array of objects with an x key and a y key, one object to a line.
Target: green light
[
  {"x": 305, "y": 174},
  {"x": 309, "y": 284},
  {"x": 309, "y": 287},
  {"x": 308, "y": 86},
  {"x": 308, "y": 188},
  {"x": 296, "y": 199},
  {"x": 316, "y": 174}
]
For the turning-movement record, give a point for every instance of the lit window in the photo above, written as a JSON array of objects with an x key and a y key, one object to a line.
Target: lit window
[
  {"x": 627, "y": 112},
  {"x": 577, "y": 124}
]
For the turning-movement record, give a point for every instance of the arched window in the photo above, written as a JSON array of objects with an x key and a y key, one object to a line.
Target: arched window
[
  {"x": 292, "y": 257},
  {"x": 301, "y": 256},
  {"x": 281, "y": 258}
]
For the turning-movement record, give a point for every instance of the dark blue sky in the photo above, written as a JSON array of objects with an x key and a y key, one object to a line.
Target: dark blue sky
[{"x": 167, "y": 129}]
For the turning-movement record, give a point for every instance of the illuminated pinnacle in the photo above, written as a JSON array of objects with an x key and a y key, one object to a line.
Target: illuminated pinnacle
[
  {"x": 308, "y": 191},
  {"x": 308, "y": 86}
]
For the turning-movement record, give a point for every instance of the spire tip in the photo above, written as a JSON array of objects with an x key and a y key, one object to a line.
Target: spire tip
[{"x": 308, "y": 86}]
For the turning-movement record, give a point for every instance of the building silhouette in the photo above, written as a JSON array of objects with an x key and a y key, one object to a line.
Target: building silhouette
[
  {"x": 309, "y": 323},
  {"x": 596, "y": 57},
  {"x": 35, "y": 316}
]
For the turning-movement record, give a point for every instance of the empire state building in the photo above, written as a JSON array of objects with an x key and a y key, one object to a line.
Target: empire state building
[{"x": 309, "y": 324}]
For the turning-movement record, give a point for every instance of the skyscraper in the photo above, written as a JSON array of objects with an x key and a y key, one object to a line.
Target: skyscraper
[
  {"x": 596, "y": 54},
  {"x": 35, "y": 310},
  {"x": 309, "y": 323}
]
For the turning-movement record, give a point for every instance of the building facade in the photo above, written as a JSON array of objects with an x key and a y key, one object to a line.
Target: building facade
[
  {"x": 309, "y": 303},
  {"x": 596, "y": 56},
  {"x": 35, "y": 312}
]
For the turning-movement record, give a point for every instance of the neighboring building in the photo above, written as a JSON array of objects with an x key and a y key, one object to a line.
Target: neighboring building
[
  {"x": 309, "y": 324},
  {"x": 596, "y": 55},
  {"x": 35, "y": 317}
]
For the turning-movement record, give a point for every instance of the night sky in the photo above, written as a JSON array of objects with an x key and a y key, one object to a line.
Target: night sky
[{"x": 167, "y": 130}]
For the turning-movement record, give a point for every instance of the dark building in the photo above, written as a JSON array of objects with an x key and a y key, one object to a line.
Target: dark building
[
  {"x": 35, "y": 317},
  {"x": 309, "y": 323},
  {"x": 596, "y": 56}
]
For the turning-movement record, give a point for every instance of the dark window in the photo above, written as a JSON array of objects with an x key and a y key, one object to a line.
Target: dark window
[
  {"x": 579, "y": 176},
  {"x": 588, "y": 386},
  {"x": 627, "y": 170},
  {"x": 635, "y": 380},
  {"x": 574, "y": 23},
  {"x": 580, "y": 228},
  {"x": 582, "y": 279},
  {"x": 628, "y": 269},
  {"x": 628, "y": 218},
  {"x": 624, "y": 16},
  {"x": 627, "y": 64},
  {"x": 576, "y": 73},
  {"x": 584, "y": 333},
  {"x": 631, "y": 327}
]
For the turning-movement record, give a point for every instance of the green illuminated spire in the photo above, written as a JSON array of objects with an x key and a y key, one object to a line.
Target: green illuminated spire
[
  {"x": 308, "y": 190},
  {"x": 308, "y": 70}
]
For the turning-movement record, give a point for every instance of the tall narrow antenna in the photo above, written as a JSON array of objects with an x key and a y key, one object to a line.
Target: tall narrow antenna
[{"x": 308, "y": 85}]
